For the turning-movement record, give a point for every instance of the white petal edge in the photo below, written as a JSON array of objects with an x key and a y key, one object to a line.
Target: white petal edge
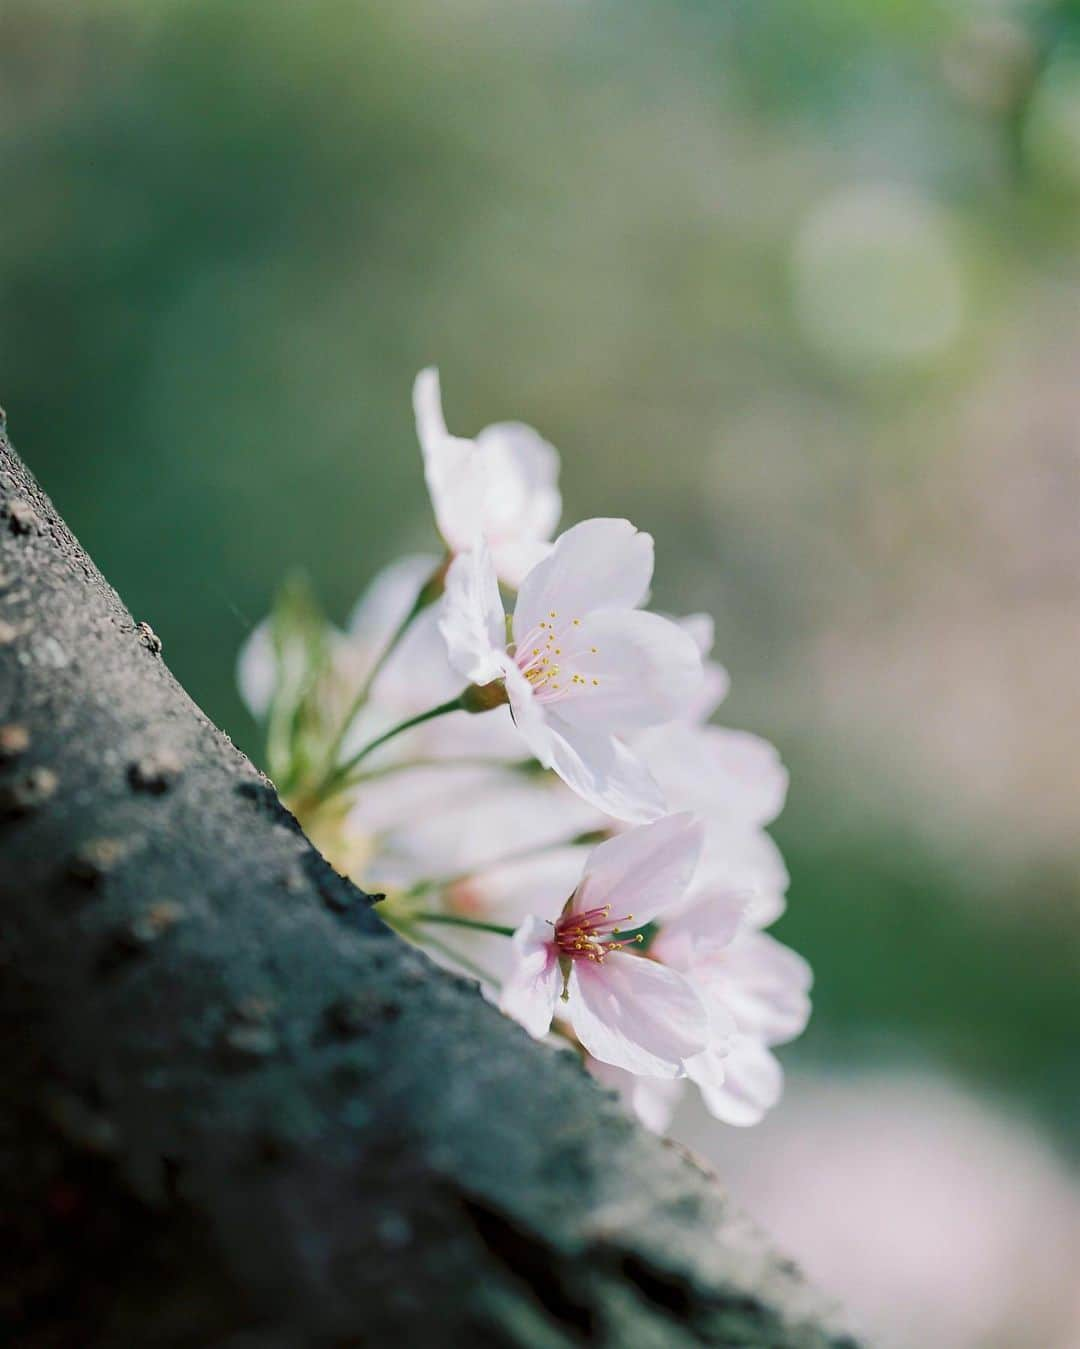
[
  {"x": 603, "y": 771},
  {"x": 472, "y": 621},
  {"x": 531, "y": 990},
  {"x": 741, "y": 1088}
]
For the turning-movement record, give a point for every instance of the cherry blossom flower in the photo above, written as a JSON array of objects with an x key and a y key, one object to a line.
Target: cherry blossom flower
[
  {"x": 626, "y": 1010},
  {"x": 502, "y": 485},
  {"x": 375, "y": 619},
  {"x": 584, "y": 665},
  {"x": 756, "y": 992},
  {"x": 734, "y": 780}
]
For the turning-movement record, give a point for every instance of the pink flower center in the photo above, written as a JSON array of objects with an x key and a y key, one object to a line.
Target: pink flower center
[
  {"x": 554, "y": 660},
  {"x": 592, "y": 934}
]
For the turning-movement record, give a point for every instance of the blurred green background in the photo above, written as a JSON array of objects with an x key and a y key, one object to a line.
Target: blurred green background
[{"x": 794, "y": 284}]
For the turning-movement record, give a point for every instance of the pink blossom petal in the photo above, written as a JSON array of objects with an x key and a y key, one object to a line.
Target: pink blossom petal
[
  {"x": 741, "y": 1087},
  {"x": 471, "y": 620},
  {"x": 763, "y": 984},
  {"x": 602, "y": 770},
  {"x": 637, "y": 1015},
  {"x": 531, "y": 990},
  {"x": 644, "y": 870},
  {"x": 633, "y": 669},
  {"x": 598, "y": 564},
  {"x": 704, "y": 928},
  {"x": 652, "y": 1099}
]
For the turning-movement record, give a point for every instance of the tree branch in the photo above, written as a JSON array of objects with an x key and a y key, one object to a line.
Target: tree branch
[{"x": 236, "y": 1109}]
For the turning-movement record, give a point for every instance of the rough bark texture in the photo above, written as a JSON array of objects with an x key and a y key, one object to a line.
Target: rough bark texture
[{"x": 236, "y": 1110}]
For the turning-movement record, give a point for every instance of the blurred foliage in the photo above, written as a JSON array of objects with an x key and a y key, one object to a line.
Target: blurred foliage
[{"x": 749, "y": 265}]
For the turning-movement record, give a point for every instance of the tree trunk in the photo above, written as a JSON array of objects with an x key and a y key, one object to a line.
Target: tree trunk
[{"x": 236, "y": 1109}]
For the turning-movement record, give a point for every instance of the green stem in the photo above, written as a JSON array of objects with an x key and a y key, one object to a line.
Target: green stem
[
  {"x": 339, "y": 777},
  {"x": 364, "y": 692},
  {"x": 453, "y": 920},
  {"x": 462, "y": 761}
]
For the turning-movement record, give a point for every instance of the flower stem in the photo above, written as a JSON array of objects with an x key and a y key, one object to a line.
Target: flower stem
[
  {"x": 339, "y": 777},
  {"x": 426, "y": 595},
  {"x": 454, "y": 920}
]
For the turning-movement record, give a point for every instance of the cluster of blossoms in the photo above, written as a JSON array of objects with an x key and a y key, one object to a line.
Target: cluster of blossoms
[{"x": 539, "y": 794}]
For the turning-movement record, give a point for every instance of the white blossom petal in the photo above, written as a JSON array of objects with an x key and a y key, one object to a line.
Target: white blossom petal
[
  {"x": 635, "y": 1014},
  {"x": 652, "y": 1099},
  {"x": 502, "y": 486},
  {"x": 256, "y": 670},
  {"x": 522, "y": 503},
  {"x": 602, "y": 770},
  {"x": 741, "y": 1087},
  {"x": 472, "y": 621},
  {"x": 453, "y": 468},
  {"x": 623, "y": 669},
  {"x": 762, "y": 983},
  {"x": 598, "y": 564},
  {"x": 715, "y": 683},
  {"x": 732, "y": 776},
  {"x": 532, "y": 987},
  {"x": 703, "y": 929},
  {"x": 427, "y": 408},
  {"x": 643, "y": 871},
  {"x": 745, "y": 861},
  {"x": 388, "y": 599}
]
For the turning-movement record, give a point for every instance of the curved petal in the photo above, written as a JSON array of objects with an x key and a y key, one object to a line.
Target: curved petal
[
  {"x": 531, "y": 989},
  {"x": 522, "y": 500},
  {"x": 715, "y": 682},
  {"x": 652, "y": 1099},
  {"x": 471, "y": 620},
  {"x": 746, "y": 861},
  {"x": 731, "y": 776},
  {"x": 427, "y": 409},
  {"x": 515, "y": 558},
  {"x": 598, "y": 564},
  {"x": 741, "y": 1088},
  {"x": 763, "y": 984},
  {"x": 704, "y": 928},
  {"x": 624, "y": 669},
  {"x": 637, "y": 1015},
  {"x": 453, "y": 468},
  {"x": 256, "y": 670},
  {"x": 388, "y": 599},
  {"x": 602, "y": 770},
  {"x": 644, "y": 871}
]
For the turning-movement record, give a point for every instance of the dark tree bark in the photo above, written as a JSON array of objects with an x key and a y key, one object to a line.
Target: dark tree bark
[{"x": 236, "y": 1109}]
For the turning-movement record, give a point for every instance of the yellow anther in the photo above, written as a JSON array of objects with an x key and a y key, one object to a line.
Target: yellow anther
[
  {"x": 577, "y": 622},
  {"x": 552, "y": 614},
  {"x": 594, "y": 649},
  {"x": 596, "y": 682}
]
